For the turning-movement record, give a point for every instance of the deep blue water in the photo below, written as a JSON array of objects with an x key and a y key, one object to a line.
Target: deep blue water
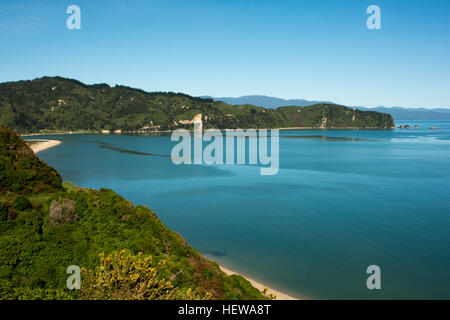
[{"x": 335, "y": 207}]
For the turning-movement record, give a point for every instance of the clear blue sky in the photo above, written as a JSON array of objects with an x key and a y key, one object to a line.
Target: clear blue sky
[{"x": 318, "y": 49}]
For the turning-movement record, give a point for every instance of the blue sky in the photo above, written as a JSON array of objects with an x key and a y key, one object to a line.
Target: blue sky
[{"x": 319, "y": 50}]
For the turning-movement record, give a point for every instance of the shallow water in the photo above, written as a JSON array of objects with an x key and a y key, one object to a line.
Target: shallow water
[{"x": 341, "y": 201}]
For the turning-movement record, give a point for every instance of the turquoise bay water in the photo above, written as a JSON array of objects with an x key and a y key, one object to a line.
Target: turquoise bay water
[{"x": 335, "y": 207}]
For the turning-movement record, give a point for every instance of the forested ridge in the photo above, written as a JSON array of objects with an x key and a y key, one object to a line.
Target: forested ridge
[{"x": 60, "y": 104}]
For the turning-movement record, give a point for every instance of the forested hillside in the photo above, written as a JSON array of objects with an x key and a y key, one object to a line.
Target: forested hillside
[{"x": 55, "y": 103}]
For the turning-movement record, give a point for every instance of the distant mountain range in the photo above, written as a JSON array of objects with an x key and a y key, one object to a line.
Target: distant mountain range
[
  {"x": 398, "y": 113},
  {"x": 266, "y": 101}
]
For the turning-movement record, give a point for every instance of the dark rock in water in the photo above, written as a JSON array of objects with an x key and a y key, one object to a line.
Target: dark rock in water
[
  {"x": 416, "y": 126},
  {"x": 327, "y": 138},
  {"x": 405, "y": 126}
]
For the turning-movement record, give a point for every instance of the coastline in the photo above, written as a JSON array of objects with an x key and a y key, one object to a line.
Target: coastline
[
  {"x": 42, "y": 145},
  {"x": 168, "y": 131},
  {"x": 259, "y": 286}
]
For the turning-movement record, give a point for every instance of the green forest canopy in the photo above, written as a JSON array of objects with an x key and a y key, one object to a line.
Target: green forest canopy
[{"x": 55, "y": 103}]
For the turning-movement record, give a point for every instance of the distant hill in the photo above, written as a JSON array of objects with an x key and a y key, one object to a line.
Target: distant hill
[
  {"x": 55, "y": 103},
  {"x": 266, "y": 101},
  {"x": 398, "y": 113}
]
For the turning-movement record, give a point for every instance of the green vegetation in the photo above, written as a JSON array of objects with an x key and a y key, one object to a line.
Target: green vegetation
[
  {"x": 46, "y": 227},
  {"x": 52, "y": 104},
  {"x": 124, "y": 276},
  {"x": 21, "y": 203},
  {"x": 20, "y": 170}
]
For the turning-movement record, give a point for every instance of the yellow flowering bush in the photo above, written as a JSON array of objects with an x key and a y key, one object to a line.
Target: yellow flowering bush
[
  {"x": 123, "y": 276},
  {"x": 268, "y": 295}
]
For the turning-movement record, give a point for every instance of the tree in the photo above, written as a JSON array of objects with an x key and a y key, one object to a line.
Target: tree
[{"x": 22, "y": 203}]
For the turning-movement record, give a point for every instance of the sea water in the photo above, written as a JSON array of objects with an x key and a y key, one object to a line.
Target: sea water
[{"x": 342, "y": 200}]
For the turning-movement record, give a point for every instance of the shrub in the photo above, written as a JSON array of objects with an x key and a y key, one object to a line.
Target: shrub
[
  {"x": 3, "y": 211},
  {"x": 268, "y": 295},
  {"x": 62, "y": 211},
  {"x": 124, "y": 277},
  {"x": 22, "y": 203}
]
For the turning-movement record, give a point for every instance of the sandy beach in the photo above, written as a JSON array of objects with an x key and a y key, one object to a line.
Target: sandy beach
[
  {"x": 258, "y": 285},
  {"x": 43, "y": 145}
]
